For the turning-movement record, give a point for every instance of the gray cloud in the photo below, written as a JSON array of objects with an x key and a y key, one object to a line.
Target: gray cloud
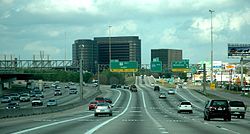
[{"x": 41, "y": 25}]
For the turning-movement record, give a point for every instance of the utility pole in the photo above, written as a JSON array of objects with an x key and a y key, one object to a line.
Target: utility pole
[
  {"x": 241, "y": 71},
  {"x": 98, "y": 73},
  {"x": 109, "y": 44},
  {"x": 81, "y": 75},
  {"x": 211, "y": 11}
]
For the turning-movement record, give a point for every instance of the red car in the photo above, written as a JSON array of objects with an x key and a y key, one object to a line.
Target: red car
[
  {"x": 92, "y": 105},
  {"x": 100, "y": 99}
]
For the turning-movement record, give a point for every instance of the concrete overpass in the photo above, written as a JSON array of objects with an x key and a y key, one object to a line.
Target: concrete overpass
[{"x": 7, "y": 77}]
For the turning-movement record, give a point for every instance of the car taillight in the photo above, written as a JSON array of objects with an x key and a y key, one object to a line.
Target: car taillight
[{"x": 212, "y": 108}]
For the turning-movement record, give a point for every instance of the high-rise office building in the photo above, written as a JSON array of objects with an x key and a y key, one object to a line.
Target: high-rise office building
[
  {"x": 87, "y": 50},
  {"x": 167, "y": 56},
  {"x": 123, "y": 48},
  {"x": 97, "y": 51}
]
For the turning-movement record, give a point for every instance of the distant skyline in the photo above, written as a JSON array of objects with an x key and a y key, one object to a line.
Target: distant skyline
[{"x": 30, "y": 26}]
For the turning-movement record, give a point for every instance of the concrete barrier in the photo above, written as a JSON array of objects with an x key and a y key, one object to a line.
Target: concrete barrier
[{"x": 8, "y": 113}]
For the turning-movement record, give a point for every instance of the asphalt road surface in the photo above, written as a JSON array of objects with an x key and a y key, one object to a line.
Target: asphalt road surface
[{"x": 139, "y": 112}]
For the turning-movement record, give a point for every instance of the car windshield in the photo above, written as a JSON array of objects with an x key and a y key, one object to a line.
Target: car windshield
[
  {"x": 99, "y": 98},
  {"x": 102, "y": 104},
  {"x": 93, "y": 102},
  {"x": 185, "y": 103},
  {"x": 236, "y": 104},
  {"x": 218, "y": 103},
  {"x": 52, "y": 100}
]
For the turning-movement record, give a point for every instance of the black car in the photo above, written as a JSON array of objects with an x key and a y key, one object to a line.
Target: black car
[
  {"x": 119, "y": 86},
  {"x": 113, "y": 86},
  {"x": 156, "y": 88},
  {"x": 13, "y": 105},
  {"x": 217, "y": 109}
]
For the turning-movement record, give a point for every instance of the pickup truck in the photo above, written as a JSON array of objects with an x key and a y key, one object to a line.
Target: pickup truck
[{"x": 238, "y": 109}]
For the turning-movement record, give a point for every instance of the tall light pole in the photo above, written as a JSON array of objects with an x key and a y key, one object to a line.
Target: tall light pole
[
  {"x": 211, "y": 12},
  {"x": 109, "y": 44},
  {"x": 81, "y": 75}
]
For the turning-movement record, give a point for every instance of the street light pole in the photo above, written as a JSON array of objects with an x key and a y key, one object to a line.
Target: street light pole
[
  {"x": 81, "y": 75},
  {"x": 211, "y": 12},
  {"x": 109, "y": 44}
]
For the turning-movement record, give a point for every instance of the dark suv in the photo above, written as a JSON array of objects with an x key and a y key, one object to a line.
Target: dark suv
[
  {"x": 217, "y": 109},
  {"x": 156, "y": 88}
]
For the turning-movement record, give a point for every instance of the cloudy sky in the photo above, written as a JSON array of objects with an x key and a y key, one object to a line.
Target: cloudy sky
[{"x": 30, "y": 26}]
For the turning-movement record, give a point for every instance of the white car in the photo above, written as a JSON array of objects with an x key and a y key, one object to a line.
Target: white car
[
  {"x": 25, "y": 97},
  {"x": 185, "y": 106},
  {"x": 163, "y": 95},
  {"x": 152, "y": 84},
  {"x": 37, "y": 102},
  {"x": 171, "y": 91},
  {"x": 103, "y": 108}
]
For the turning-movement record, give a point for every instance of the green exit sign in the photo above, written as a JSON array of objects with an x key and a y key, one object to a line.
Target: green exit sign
[
  {"x": 123, "y": 66},
  {"x": 156, "y": 66},
  {"x": 180, "y": 64}
]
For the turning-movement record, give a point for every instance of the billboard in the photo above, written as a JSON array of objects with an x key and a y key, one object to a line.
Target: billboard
[{"x": 238, "y": 50}]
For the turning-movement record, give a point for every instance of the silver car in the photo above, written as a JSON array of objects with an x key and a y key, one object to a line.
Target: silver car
[
  {"x": 51, "y": 102},
  {"x": 103, "y": 108}
]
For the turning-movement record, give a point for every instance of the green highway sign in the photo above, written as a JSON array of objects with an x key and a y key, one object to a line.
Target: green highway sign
[
  {"x": 156, "y": 66},
  {"x": 123, "y": 66},
  {"x": 180, "y": 66}
]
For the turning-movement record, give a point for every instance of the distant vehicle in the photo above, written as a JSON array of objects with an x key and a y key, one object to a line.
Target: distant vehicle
[
  {"x": 185, "y": 106},
  {"x": 37, "y": 102},
  {"x": 152, "y": 84},
  {"x": 32, "y": 94},
  {"x": 46, "y": 86},
  {"x": 13, "y": 105},
  {"x": 238, "y": 109},
  {"x": 51, "y": 102},
  {"x": 57, "y": 92},
  {"x": 217, "y": 109},
  {"x": 6, "y": 99},
  {"x": 103, "y": 108},
  {"x": 163, "y": 95},
  {"x": 156, "y": 88},
  {"x": 25, "y": 97},
  {"x": 108, "y": 100},
  {"x": 39, "y": 94},
  {"x": 72, "y": 90},
  {"x": 119, "y": 86},
  {"x": 100, "y": 99},
  {"x": 14, "y": 96},
  {"x": 58, "y": 87},
  {"x": 92, "y": 105},
  {"x": 53, "y": 85},
  {"x": 113, "y": 86},
  {"x": 171, "y": 91},
  {"x": 66, "y": 86},
  {"x": 126, "y": 87},
  {"x": 133, "y": 88}
]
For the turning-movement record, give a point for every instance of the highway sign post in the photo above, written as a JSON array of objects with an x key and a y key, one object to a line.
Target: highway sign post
[
  {"x": 123, "y": 66},
  {"x": 156, "y": 66}
]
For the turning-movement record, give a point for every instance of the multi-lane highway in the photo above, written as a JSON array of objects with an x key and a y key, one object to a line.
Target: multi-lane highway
[
  {"x": 139, "y": 112},
  {"x": 65, "y": 98}
]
